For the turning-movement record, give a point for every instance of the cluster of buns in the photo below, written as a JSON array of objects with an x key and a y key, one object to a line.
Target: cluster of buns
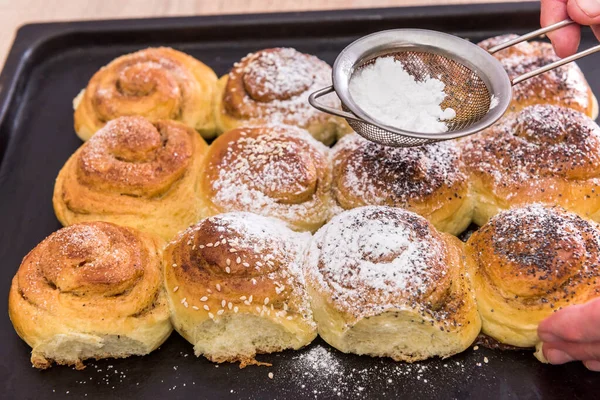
[{"x": 165, "y": 231}]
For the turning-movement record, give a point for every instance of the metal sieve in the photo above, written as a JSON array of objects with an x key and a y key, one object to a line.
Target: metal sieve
[{"x": 471, "y": 74}]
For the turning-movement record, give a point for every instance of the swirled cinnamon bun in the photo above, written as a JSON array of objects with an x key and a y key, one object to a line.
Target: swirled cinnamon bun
[
  {"x": 156, "y": 83},
  {"x": 236, "y": 287},
  {"x": 272, "y": 86},
  {"x": 134, "y": 173},
  {"x": 528, "y": 262},
  {"x": 273, "y": 170},
  {"x": 543, "y": 154},
  {"x": 384, "y": 282},
  {"x": 564, "y": 86},
  {"x": 91, "y": 290},
  {"x": 429, "y": 180}
]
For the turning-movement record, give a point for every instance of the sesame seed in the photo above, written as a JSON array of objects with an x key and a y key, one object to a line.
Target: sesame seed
[
  {"x": 243, "y": 298},
  {"x": 203, "y": 298},
  {"x": 485, "y": 360},
  {"x": 232, "y": 250},
  {"x": 270, "y": 375},
  {"x": 218, "y": 287},
  {"x": 230, "y": 305},
  {"x": 183, "y": 300},
  {"x": 220, "y": 312},
  {"x": 266, "y": 300},
  {"x": 206, "y": 307},
  {"x": 223, "y": 303},
  {"x": 174, "y": 265},
  {"x": 247, "y": 302},
  {"x": 246, "y": 264},
  {"x": 258, "y": 309},
  {"x": 176, "y": 288},
  {"x": 228, "y": 270},
  {"x": 195, "y": 308},
  {"x": 476, "y": 348},
  {"x": 201, "y": 246},
  {"x": 185, "y": 304},
  {"x": 235, "y": 309},
  {"x": 209, "y": 245},
  {"x": 253, "y": 281},
  {"x": 228, "y": 262},
  {"x": 289, "y": 317},
  {"x": 224, "y": 241},
  {"x": 211, "y": 315},
  {"x": 238, "y": 260},
  {"x": 217, "y": 244},
  {"x": 250, "y": 299}
]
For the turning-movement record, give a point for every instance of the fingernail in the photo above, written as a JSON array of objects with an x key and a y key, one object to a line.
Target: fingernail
[
  {"x": 592, "y": 365},
  {"x": 555, "y": 356},
  {"x": 590, "y": 7}
]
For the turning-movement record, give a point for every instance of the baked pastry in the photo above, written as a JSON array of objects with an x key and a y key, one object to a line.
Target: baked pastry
[
  {"x": 383, "y": 282},
  {"x": 544, "y": 153},
  {"x": 528, "y": 262},
  {"x": 272, "y": 86},
  {"x": 156, "y": 83},
  {"x": 273, "y": 170},
  {"x": 429, "y": 180},
  {"x": 91, "y": 290},
  {"x": 236, "y": 288},
  {"x": 134, "y": 173},
  {"x": 564, "y": 86}
]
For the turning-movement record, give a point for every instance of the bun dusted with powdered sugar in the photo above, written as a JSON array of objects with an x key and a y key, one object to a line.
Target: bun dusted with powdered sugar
[
  {"x": 383, "y": 282},
  {"x": 544, "y": 153},
  {"x": 430, "y": 180}
]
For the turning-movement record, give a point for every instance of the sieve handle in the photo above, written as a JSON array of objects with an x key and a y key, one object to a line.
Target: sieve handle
[
  {"x": 530, "y": 35},
  {"x": 312, "y": 99}
]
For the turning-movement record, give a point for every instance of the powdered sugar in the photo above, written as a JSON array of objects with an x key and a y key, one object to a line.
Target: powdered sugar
[
  {"x": 375, "y": 258},
  {"x": 390, "y": 95}
]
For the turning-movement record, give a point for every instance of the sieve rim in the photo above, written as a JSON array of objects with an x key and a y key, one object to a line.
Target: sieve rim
[{"x": 463, "y": 51}]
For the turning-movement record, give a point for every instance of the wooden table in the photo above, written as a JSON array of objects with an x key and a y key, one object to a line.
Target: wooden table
[{"x": 14, "y": 13}]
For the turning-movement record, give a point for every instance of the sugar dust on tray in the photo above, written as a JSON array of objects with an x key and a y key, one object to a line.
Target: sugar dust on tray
[{"x": 390, "y": 95}]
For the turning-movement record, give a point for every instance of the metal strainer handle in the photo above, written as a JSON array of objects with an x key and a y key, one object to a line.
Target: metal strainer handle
[
  {"x": 312, "y": 99},
  {"x": 548, "y": 67}
]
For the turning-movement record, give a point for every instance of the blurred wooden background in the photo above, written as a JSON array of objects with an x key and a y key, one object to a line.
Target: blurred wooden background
[{"x": 14, "y": 13}]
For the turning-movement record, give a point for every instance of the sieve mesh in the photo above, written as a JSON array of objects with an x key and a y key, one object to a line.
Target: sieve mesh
[{"x": 466, "y": 93}]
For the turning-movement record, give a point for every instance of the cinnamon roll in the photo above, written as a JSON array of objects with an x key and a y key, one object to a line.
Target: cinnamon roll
[
  {"x": 91, "y": 290},
  {"x": 527, "y": 263},
  {"x": 134, "y": 173},
  {"x": 384, "y": 282},
  {"x": 273, "y": 170},
  {"x": 429, "y": 180},
  {"x": 544, "y": 153},
  {"x": 272, "y": 86},
  {"x": 564, "y": 86},
  {"x": 236, "y": 288},
  {"x": 156, "y": 83}
]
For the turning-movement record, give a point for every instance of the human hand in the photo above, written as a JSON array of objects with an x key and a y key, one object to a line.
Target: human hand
[
  {"x": 584, "y": 12},
  {"x": 573, "y": 333}
]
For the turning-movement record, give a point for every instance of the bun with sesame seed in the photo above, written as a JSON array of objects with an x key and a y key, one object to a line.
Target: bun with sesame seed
[
  {"x": 430, "y": 180},
  {"x": 273, "y": 170},
  {"x": 236, "y": 288},
  {"x": 134, "y": 173},
  {"x": 155, "y": 83},
  {"x": 528, "y": 262},
  {"x": 544, "y": 154},
  {"x": 91, "y": 290},
  {"x": 272, "y": 86},
  {"x": 383, "y": 282}
]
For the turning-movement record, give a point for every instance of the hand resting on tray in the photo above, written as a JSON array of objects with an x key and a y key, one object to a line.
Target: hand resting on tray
[
  {"x": 573, "y": 333},
  {"x": 584, "y": 12}
]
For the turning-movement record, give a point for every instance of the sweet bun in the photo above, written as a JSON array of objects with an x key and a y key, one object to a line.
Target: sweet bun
[
  {"x": 527, "y": 263},
  {"x": 273, "y": 170},
  {"x": 429, "y": 180},
  {"x": 564, "y": 86},
  {"x": 236, "y": 288},
  {"x": 383, "y": 282},
  {"x": 544, "y": 153},
  {"x": 134, "y": 173},
  {"x": 272, "y": 86},
  {"x": 91, "y": 290},
  {"x": 156, "y": 83}
]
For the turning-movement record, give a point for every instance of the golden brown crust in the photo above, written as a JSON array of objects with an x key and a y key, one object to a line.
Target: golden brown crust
[
  {"x": 278, "y": 171},
  {"x": 237, "y": 264},
  {"x": 134, "y": 173},
  {"x": 89, "y": 279},
  {"x": 429, "y": 180},
  {"x": 527, "y": 263},
  {"x": 564, "y": 86},
  {"x": 542, "y": 154},
  {"x": 157, "y": 83},
  {"x": 272, "y": 86}
]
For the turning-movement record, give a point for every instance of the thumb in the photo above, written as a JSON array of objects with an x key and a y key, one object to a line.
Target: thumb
[{"x": 584, "y": 12}]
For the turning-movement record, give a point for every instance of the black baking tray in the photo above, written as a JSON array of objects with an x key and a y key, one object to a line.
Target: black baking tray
[{"x": 46, "y": 68}]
